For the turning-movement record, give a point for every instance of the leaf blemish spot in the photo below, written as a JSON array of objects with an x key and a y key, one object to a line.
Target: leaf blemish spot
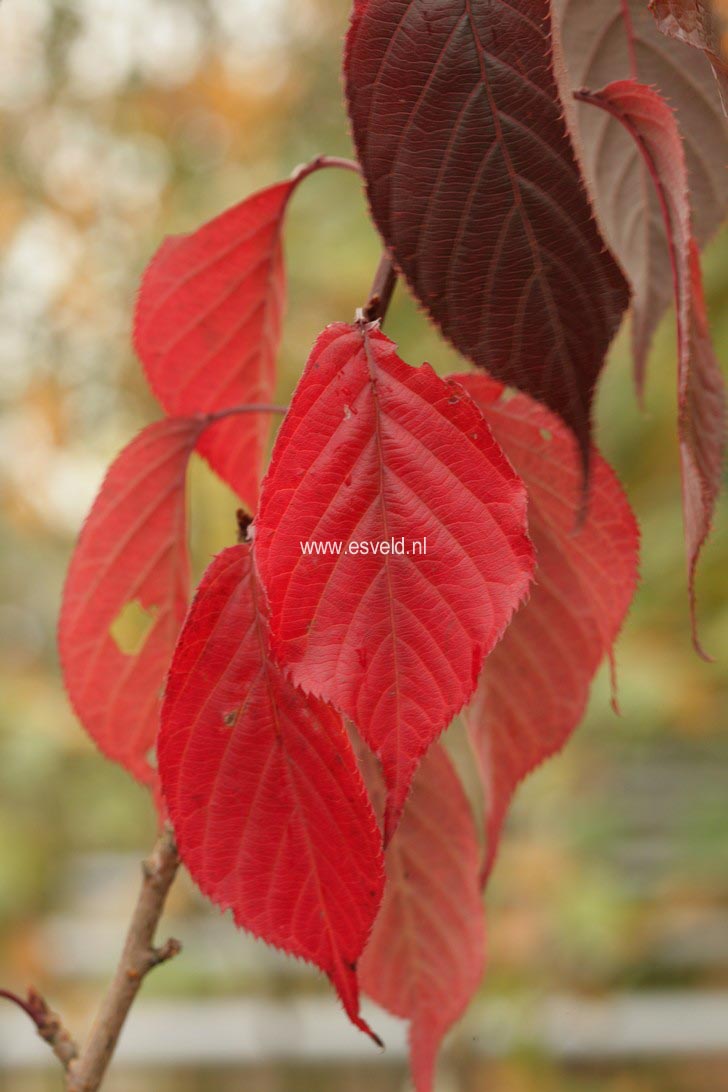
[{"x": 132, "y": 626}]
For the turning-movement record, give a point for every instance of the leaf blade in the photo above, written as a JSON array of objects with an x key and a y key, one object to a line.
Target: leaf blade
[
  {"x": 534, "y": 688},
  {"x": 458, "y": 125},
  {"x": 701, "y": 393},
  {"x": 262, "y": 786},
  {"x": 703, "y": 26},
  {"x": 208, "y": 323},
  {"x": 374, "y": 450},
  {"x": 618, "y": 39},
  {"x": 132, "y": 548},
  {"x": 425, "y": 957}
]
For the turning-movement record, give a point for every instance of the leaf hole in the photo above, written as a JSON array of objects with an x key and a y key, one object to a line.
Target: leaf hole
[{"x": 131, "y": 627}]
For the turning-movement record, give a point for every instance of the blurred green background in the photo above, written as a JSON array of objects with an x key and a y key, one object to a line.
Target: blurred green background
[{"x": 608, "y": 912}]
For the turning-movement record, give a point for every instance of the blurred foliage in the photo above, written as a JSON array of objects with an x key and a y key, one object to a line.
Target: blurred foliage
[{"x": 125, "y": 122}]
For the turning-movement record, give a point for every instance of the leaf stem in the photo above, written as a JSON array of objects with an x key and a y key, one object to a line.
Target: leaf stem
[
  {"x": 321, "y": 162},
  {"x": 250, "y": 407},
  {"x": 380, "y": 295}
]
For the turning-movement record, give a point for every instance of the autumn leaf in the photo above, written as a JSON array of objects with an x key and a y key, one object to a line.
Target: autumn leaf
[
  {"x": 702, "y": 24},
  {"x": 701, "y": 394},
  {"x": 618, "y": 39},
  {"x": 132, "y": 553},
  {"x": 208, "y": 324},
  {"x": 474, "y": 186},
  {"x": 425, "y": 957},
  {"x": 375, "y": 451},
  {"x": 268, "y": 806},
  {"x": 533, "y": 690}
]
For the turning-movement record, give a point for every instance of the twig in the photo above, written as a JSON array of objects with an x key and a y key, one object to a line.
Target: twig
[
  {"x": 380, "y": 295},
  {"x": 139, "y": 956},
  {"x": 48, "y": 1023}
]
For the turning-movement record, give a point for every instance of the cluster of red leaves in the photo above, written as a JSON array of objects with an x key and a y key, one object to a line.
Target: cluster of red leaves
[{"x": 296, "y": 706}]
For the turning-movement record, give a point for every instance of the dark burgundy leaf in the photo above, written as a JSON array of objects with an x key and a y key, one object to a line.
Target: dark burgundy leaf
[{"x": 474, "y": 186}]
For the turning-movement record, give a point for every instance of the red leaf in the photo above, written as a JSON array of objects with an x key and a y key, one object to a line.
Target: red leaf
[
  {"x": 619, "y": 39},
  {"x": 373, "y": 450},
  {"x": 132, "y": 550},
  {"x": 268, "y": 806},
  {"x": 651, "y": 123},
  {"x": 702, "y": 25},
  {"x": 534, "y": 688},
  {"x": 425, "y": 957},
  {"x": 474, "y": 186},
  {"x": 208, "y": 324}
]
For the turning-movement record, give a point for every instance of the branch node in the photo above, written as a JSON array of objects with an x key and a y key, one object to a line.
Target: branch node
[{"x": 167, "y": 951}]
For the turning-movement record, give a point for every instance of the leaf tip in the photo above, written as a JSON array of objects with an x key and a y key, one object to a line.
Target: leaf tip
[{"x": 697, "y": 643}]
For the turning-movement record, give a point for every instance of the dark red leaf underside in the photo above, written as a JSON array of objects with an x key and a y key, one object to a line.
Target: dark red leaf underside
[
  {"x": 618, "y": 39},
  {"x": 702, "y": 25},
  {"x": 208, "y": 325},
  {"x": 268, "y": 806},
  {"x": 425, "y": 957},
  {"x": 651, "y": 123},
  {"x": 132, "y": 550},
  {"x": 534, "y": 688},
  {"x": 373, "y": 450},
  {"x": 473, "y": 184}
]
